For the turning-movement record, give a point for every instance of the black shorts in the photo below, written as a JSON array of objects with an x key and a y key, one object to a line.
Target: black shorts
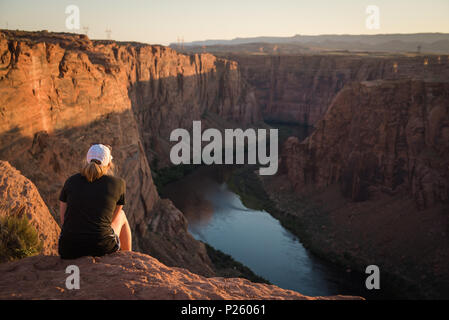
[
  {"x": 73, "y": 247},
  {"x": 117, "y": 240}
]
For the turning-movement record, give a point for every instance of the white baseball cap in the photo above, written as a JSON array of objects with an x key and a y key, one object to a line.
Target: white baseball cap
[{"x": 99, "y": 152}]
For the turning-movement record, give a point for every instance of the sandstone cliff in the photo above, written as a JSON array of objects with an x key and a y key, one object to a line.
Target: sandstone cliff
[
  {"x": 379, "y": 136},
  {"x": 19, "y": 195},
  {"x": 59, "y": 93},
  {"x": 376, "y": 170},
  {"x": 128, "y": 276},
  {"x": 299, "y": 88}
]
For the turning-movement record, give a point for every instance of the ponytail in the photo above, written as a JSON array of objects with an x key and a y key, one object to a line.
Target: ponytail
[{"x": 93, "y": 171}]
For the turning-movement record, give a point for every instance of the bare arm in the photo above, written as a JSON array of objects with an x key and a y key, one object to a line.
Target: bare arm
[
  {"x": 62, "y": 210},
  {"x": 118, "y": 208}
]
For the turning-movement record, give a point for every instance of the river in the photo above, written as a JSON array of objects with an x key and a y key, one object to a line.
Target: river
[{"x": 217, "y": 216}]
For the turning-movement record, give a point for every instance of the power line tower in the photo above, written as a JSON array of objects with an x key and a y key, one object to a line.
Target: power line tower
[
  {"x": 86, "y": 30},
  {"x": 108, "y": 33}
]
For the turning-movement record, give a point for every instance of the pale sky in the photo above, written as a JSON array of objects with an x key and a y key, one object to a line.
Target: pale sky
[{"x": 161, "y": 22}]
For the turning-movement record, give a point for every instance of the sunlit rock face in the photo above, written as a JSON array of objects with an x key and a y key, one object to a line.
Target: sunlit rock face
[{"x": 59, "y": 93}]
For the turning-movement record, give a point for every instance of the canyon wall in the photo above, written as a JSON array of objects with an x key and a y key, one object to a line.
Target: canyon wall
[
  {"x": 300, "y": 88},
  {"x": 375, "y": 175},
  {"x": 59, "y": 93},
  {"x": 379, "y": 136}
]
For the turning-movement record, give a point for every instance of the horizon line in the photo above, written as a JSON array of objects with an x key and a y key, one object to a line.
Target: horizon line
[{"x": 238, "y": 37}]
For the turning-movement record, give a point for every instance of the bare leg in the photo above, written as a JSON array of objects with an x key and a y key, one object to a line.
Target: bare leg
[
  {"x": 125, "y": 237},
  {"x": 121, "y": 228}
]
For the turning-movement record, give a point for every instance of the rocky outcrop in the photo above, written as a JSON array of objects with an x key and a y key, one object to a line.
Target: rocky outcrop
[
  {"x": 18, "y": 195},
  {"x": 59, "y": 93},
  {"x": 127, "y": 276},
  {"x": 295, "y": 88},
  {"x": 379, "y": 136}
]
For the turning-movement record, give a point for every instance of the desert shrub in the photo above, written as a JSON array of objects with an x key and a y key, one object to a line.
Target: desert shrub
[{"x": 18, "y": 237}]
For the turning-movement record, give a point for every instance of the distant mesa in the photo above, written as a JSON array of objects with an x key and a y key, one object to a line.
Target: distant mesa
[{"x": 426, "y": 42}]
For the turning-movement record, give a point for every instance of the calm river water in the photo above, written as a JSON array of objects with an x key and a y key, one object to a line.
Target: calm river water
[{"x": 217, "y": 216}]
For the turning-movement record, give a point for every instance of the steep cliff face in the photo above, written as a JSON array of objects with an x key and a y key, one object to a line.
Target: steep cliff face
[
  {"x": 300, "y": 88},
  {"x": 59, "y": 93},
  {"x": 168, "y": 90},
  {"x": 387, "y": 136},
  {"x": 20, "y": 196}
]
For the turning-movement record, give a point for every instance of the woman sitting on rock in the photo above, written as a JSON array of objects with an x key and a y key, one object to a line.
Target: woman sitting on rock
[{"x": 91, "y": 202}]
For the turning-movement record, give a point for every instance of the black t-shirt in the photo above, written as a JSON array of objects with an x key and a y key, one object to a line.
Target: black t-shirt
[{"x": 87, "y": 221}]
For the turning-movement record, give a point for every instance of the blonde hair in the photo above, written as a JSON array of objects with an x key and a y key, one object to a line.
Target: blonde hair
[{"x": 94, "y": 170}]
